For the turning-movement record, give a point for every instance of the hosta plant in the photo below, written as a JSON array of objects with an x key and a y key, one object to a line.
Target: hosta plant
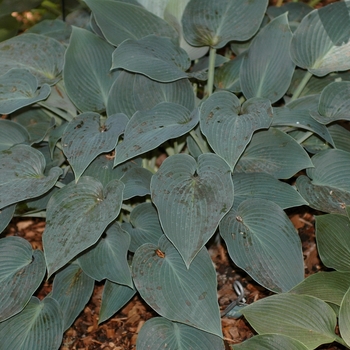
[{"x": 248, "y": 104}]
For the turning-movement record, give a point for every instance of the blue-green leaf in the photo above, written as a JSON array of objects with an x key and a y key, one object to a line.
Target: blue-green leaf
[
  {"x": 121, "y": 20},
  {"x": 156, "y": 57},
  {"x": 22, "y": 52},
  {"x": 159, "y": 333},
  {"x": 332, "y": 235},
  {"x": 38, "y": 327},
  {"x": 108, "y": 258},
  {"x": 149, "y": 129},
  {"x": 6, "y": 215},
  {"x": 273, "y": 152},
  {"x": 267, "y": 68},
  {"x": 135, "y": 92},
  {"x": 77, "y": 215},
  {"x": 321, "y": 46},
  {"x": 191, "y": 198},
  {"x": 21, "y": 272},
  {"x": 12, "y": 133},
  {"x": 181, "y": 294},
  {"x": 263, "y": 242},
  {"x": 137, "y": 182},
  {"x": 215, "y": 23},
  {"x": 144, "y": 226},
  {"x": 229, "y": 129},
  {"x": 114, "y": 297},
  {"x": 85, "y": 138},
  {"x": 86, "y": 73},
  {"x": 19, "y": 88},
  {"x": 72, "y": 288},
  {"x": 265, "y": 186},
  {"x": 22, "y": 175}
]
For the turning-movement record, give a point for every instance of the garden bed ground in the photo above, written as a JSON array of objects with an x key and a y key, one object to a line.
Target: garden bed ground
[{"x": 120, "y": 332}]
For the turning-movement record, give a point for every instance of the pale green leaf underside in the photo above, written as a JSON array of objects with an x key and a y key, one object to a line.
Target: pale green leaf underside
[
  {"x": 267, "y": 68},
  {"x": 119, "y": 20},
  {"x": 157, "y": 58},
  {"x": 72, "y": 288},
  {"x": 39, "y": 323},
  {"x": 271, "y": 342},
  {"x": 310, "y": 320},
  {"x": 41, "y": 55},
  {"x": 21, "y": 272},
  {"x": 108, "y": 258},
  {"x": 221, "y": 118},
  {"x": 76, "y": 217},
  {"x": 181, "y": 294},
  {"x": 191, "y": 198},
  {"x": 214, "y": 23},
  {"x": 19, "y": 88},
  {"x": 327, "y": 286},
  {"x": 22, "y": 175},
  {"x": 159, "y": 333},
  {"x": 321, "y": 42},
  {"x": 263, "y": 242}
]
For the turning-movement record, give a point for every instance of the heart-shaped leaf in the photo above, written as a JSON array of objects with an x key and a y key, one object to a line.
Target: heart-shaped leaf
[
  {"x": 344, "y": 317},
  {"x": 144, "y": 226},
  {"x": 265, "y": 186},
  {"x": 310, "y": 320},
  {"x": 108, "y": 258},
  {"x": 327, "y": 286},
  {"x": 120, "y": 20},
  {"x": 320, "y": 46},
  {"x": 85, "y": 138},
  {"x": 191, "y": 198},
  {"x": 135, "y": 92},
  {"x": 274, "y": 152},
  {"x": 158, "y": 332},
  {"x": 215, "y": 23},
  {"x": 39, "y": 324},
  {"x": 181, "y": 294},
  {"x": 22, "y": 52},
  {"x": 114, "y": 297},
  {"x": 72, "y": 288},
  {"x": 267, "y": 68},
  {"x": 271, "y": 342},
  {"x": 147, "y": 130},
  {"x": 12, "y": 133},
  {"x": 21, "y": 272},
  {"x": 334, "y": 103},
  {"x": 19, "y": 88},
  {"x": 156, "y": 57},
  {"x": 86, "y": 73},
  {"x": 221, "y": 119},
  {"x": 76, "y": 217},
  {"x": 22, "y": 175},
  {"x": 332, "y": 235},
  {"x": 263, "y": 242}
]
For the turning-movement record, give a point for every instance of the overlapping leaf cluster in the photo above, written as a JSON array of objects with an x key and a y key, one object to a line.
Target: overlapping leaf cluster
[{"x": 90, "y": 112}]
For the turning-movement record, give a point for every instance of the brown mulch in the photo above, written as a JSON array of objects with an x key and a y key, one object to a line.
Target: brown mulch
[{"x": 120, "y": 332}]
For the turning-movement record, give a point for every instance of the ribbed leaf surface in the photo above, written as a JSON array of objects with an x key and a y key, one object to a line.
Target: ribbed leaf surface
[
  {"x": 191, "y": 198},
  {"x": 12, "y": 133},
  {"x": 159, "y": 332},
  {"x": 181, "y": 294},
  {"x": 344, "y": 317}
]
